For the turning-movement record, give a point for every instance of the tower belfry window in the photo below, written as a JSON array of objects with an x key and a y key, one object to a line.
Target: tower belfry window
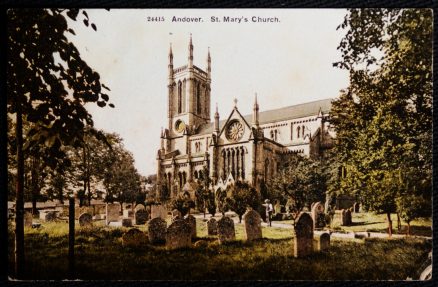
[
  {"x": 198, "y": 98},
  {"x": 179, "y": 97}
]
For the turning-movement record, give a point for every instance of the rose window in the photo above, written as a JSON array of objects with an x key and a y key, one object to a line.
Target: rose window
[{"x": 234, "y": 131}]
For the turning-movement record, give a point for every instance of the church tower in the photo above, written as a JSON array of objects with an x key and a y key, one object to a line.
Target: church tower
[{"x": 188, "y": 95}]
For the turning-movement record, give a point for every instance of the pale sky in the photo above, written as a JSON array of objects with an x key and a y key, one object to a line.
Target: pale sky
[{"x": 286, "y": 63}]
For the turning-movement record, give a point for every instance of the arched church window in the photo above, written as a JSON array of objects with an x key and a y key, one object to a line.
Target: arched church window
[
  {"x": 183, "y": 101},
  {"x": 198, "y": 98},
  {"x": 291, "y": 131},
  {"x": 272, "y": 135},
  {"x": 179, "y": 97},
  {"x": 303, "y": 131},
  {"x": 275, "y": 135},
  {"x": 298, "y": 132},
  {"x": 201, "y": 175},
  {"x": 196, "y": 174}
]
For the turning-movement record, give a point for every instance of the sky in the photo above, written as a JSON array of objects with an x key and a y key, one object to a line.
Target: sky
[{"x": 286, "y": 62}]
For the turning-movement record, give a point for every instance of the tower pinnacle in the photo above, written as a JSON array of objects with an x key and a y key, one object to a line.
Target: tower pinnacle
[
  {"x": 190, "y": 51},
  {"x": 255, "y": 116}
]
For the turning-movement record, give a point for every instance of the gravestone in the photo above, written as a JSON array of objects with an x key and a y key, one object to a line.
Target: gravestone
[
  {"x": 178, "y": 235},
  {"x": 139, "y": 207},
  {"x": 318, "y": 215},
  {"x": 322, "y": 241},
  {"x": 85, "y": 219},
  {"x": 191, "y": 220},
  {"x": 344, "y": 217},
  {"x": 176, "y": 215},
  {"x": 134, "y": 238},
  {"x": 127, "y": 222},
  {"x": 212, "y": 226},
  {"x": 28, "y": 219},
  {"x": 158, "y": 211},
  {"x": 157, "y": 230},
  {"x": 128, "y": 213},
  {"x": 252, "y": 223},
  {"x": 112, "y": 212},
  {"x": 356, "y": 207},
  {"x": 303, "y": 235},
  {"x": 48, "y": 215},
  {"x": 349, "y": 219},
  {"x": 225, "y": 229},
  {"x": 277, "y": 208},
  {"x": 141, "y": 216},
  {"x": 83, "y": 209}
]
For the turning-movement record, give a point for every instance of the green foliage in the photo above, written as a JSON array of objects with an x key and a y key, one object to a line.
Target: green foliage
[
  {"x": 221, "y": 202},
  {"x": 211, "y": 203},
  {"x": 383, "y": 120},
  {"x": 240, "y": 196},
  {"x": 411, "y": 206},
  {"x": 183, "y": 204},
  {"x": 48, "y": 82},
  {"x": 300, "y": 183}
]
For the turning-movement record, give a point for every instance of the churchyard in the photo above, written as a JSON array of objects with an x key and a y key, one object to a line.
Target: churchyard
[{"x": 170, "y": 247}]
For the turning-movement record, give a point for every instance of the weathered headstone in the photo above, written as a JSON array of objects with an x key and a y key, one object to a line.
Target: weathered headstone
[
  {"x": 128, "y": 213},
  {"x": 191, "y": 220},
  {"x": 85, "y": 219},
  {"x": 28, "y": 219},
  {"x": 303, "y": 235},
  {"x": 158, "y": 211},
  {"x": 157, "y": 230},
  {"x": 141, "y": 216},
  {"x": 139, "y": 207},
  {"x": 176, "y": 215},
  {"x": 344, "y": 217},
  {"x": 322, "y": 241},
  {"x": 212, "y": 226},
  {"x": 356, "y": 207},
  {"x": 178, "y": 235},
  {"x": 48, "y": 215},
  {"x": 134, "y": 238},
  {"x": 127, "y": 222},
  {"x": 225, "y": 229},
  {"x": 83, "y": 209},
  {"x": 349, "y": 218},
  {"x": 277, "y": 208},
  {"x": 318, "y": 215},
  {"x": 112, "y": 212},
  {"x": 252, "y": 222}
]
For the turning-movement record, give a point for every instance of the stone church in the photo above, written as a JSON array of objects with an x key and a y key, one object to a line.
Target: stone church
[{"x": 248, "y": 148}]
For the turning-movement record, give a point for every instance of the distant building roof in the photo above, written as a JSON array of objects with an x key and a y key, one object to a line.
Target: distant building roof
[{"x": 282, "y": 114}]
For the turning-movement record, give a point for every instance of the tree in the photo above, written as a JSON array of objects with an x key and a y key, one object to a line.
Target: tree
[
  {"x": 48, "y": 85},
  {"x": 221, "y": 196},
  {"x": 299, "y": 183},
  {"x": 412, "y": 206},
  {"x": 383, "y": 119},
  {"x": 183, "y": 204},
  {"x": 240, "y": 196},
  {"x": 211, "y": 204},
  {"x": 120, "y": 177}
]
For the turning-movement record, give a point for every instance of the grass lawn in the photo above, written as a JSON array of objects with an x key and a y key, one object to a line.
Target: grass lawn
[
  {"x": 368, "y": 221},
  {"x": 100, "y": 255}
]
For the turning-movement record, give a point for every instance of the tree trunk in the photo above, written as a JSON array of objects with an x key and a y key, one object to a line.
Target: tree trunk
[
  {"x": 409, "y": 229},
  {"x": 398, "y": 223},
  {"x": 389, "y": 224},
  {"x": 34, "y": 205},
  {"x": 19, "y": 204}
]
